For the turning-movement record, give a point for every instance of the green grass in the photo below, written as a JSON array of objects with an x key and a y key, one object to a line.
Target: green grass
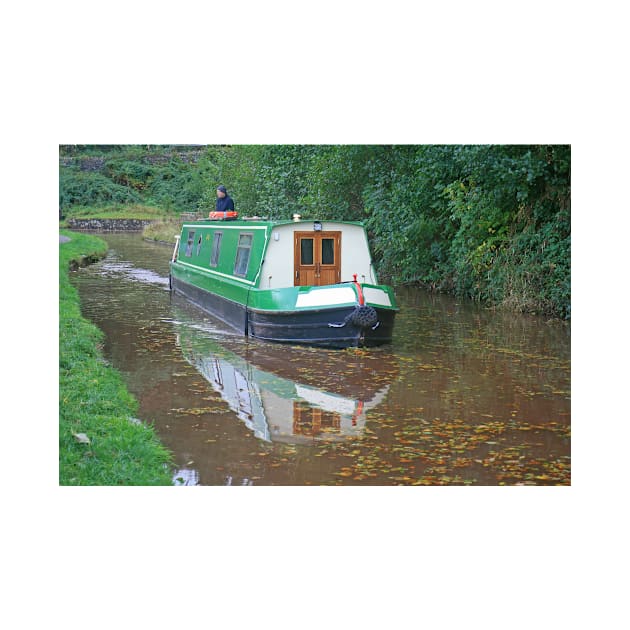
[
  {"x": 116, "y": 211},
  {"x": 163, "y": 230},
  {"x": 93, "y": 399}
]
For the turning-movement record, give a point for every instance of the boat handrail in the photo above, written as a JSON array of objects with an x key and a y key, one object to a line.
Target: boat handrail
[{"x": 177, "y": 237}]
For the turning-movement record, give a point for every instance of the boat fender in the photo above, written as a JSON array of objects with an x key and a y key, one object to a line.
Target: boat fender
[{"x": 363, "y": 316}]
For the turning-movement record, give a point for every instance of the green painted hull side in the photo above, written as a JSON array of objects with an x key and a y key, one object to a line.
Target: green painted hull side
[
  {"x": 225, "y": 287},
  {"x": 272, "y": 300}
]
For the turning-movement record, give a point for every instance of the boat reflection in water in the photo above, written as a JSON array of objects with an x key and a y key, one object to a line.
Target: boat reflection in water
[
  {"x": 287, "y": 397},
  {"x": 273, "y": 407}
]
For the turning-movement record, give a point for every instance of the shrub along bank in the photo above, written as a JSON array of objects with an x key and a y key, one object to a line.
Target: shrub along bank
[{"x": 99, "y": 443}]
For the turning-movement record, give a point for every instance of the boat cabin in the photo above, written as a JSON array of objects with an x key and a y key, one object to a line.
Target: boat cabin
[{"x": 256, "y": 252}]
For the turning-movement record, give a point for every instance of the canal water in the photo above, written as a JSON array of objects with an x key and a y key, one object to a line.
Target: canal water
[{"x": 463, "y": 395}]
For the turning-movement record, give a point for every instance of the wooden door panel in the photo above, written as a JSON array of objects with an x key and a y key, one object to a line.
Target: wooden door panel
[
  {"x": 304, "y": 259},
  {"x": 328, "y": 276},
  {"x": 306, "y": 277},
  {"x": 329, "y": 257},
  {"x": 317, "y": 258}
]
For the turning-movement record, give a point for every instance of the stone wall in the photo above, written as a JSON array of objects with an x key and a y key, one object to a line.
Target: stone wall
[
  {"x": 108, "y": 225},
  {"x": 85, "y": 163}
]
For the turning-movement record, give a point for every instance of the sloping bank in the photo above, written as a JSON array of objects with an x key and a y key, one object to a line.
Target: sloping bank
[{"x": 99, "y": 442}]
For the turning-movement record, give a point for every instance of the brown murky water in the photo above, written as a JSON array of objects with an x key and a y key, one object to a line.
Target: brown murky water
[{"x": 463, "y": 396}]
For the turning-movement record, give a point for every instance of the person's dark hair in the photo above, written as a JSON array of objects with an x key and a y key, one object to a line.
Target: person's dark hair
[{"x": 222, "y": 189}]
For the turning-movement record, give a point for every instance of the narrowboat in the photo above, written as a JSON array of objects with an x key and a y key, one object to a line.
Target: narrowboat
[{"x": 293, "y": 281}]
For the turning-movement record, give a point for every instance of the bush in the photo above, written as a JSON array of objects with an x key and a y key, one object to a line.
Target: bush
[{"x": 91, "y": 189}]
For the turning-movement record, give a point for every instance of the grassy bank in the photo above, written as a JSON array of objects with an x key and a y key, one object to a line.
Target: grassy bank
[
  {"x": 99, "y": 444},
  {"x": 117, "y": 211},
  {"x": 163, "y": 230}
]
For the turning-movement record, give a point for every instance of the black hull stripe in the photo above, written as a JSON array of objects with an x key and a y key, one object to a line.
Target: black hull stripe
[{"x": 296, "y": 327}]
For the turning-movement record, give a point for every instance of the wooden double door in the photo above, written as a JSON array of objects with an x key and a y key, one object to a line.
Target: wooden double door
[{"x": 317, "y": 258}]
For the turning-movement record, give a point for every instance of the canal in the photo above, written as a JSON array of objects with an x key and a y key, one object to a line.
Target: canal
[{"x": 463, "y": 395}]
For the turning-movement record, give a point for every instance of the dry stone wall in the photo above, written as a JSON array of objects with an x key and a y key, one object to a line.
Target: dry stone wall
[{"x": 108, "y": 225}]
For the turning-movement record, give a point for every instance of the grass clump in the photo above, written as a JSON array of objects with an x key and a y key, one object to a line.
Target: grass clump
[
  {"x": 98, "y": 442},
  {"x": 163, "y": 230},
  {"x": 116, "y": 211}
]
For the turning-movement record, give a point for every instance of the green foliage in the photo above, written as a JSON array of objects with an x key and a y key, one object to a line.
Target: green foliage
[
  {"x": 98, "y": 444},
  {"x": 336, "y": 180},
  {"x": 132, "y": 175},
  {"x": 235, "y": 168},
  {"x": 283, "y": 179},
  {"x": 77, "y": 188},
  {"x": 177, "y": 185},
  {"x": 488, "y": 222}
]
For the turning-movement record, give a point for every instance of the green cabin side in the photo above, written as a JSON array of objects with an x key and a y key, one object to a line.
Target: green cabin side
[
  {"x": 228, "y": 249},
  {"x": 222, "y": 257}
]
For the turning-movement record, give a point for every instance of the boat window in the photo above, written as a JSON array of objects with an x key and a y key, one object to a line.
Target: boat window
[
  {"x": 216, "y": 248},
  {"x": 198, "y": 244},
  {"x": 328, "y": 251},
  {"x": 242, "y": 254},
  {"x": 306, "y": 251},
  {"x": 189, "y": 243}
]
